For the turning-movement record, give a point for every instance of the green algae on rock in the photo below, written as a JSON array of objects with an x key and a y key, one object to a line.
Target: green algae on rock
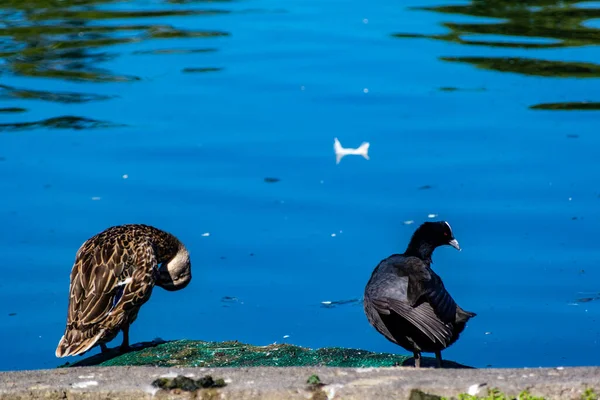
[
  {"x": 197, "y": 353},
  {"x": 494, "y": 394},
  {"x": 235, "y": 354},
  {"x": 188, "y": 384}
]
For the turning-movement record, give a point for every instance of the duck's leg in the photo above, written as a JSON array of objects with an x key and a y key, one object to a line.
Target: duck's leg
[
  {"x": 438, "y": 357},
  {"x": 103, "y": 347},
  {"x": 125, "y": 345},
  {"x": 417, "y": 355}
]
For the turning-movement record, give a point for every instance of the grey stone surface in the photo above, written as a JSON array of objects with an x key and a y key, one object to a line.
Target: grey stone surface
[{"x": 291, "y": 383}]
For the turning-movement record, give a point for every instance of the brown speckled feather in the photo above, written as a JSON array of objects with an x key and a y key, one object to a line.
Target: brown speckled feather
[{"x": 113, "y": 275}]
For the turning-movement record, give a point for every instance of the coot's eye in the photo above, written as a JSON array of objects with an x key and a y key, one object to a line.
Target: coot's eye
[{"x": 445, "y": 233}]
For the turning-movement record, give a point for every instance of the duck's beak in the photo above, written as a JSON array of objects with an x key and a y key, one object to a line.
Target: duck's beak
[{"x": 454, "y": 243}]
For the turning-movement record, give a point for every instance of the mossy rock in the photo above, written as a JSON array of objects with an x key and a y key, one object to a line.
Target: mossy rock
[{"x": 197, "y": 353}]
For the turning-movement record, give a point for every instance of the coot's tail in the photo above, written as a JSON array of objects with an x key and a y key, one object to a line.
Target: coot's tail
[{"x": 463, "y": 316}]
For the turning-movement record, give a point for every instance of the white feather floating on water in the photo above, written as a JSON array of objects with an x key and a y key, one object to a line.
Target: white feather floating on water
[{"x": 340, "y": 152}]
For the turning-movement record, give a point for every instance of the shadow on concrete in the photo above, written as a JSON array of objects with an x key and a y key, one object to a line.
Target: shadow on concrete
[
  {"x": 114, "y": 352},
  {"x": 430, "y": 362}
]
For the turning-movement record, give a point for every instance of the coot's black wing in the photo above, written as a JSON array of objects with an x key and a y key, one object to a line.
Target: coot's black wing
[
  {"x": 413, "y": 292},
  {"x": 422, "y": 317},
  {"x": 425, "y": 286}
]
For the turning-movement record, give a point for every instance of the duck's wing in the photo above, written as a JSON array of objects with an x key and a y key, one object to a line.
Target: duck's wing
[{"x": 106, "y": 282}]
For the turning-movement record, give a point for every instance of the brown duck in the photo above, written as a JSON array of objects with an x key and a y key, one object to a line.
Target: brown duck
[{"x": 113, "y": 275}]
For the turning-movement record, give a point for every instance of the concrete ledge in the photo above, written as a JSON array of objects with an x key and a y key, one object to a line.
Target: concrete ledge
[{"x": 291, "y": 382}]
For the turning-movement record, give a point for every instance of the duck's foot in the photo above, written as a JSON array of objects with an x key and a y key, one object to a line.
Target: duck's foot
[
  {"x": 125, "y": 348},
  {"x": 125, "y": 345}
]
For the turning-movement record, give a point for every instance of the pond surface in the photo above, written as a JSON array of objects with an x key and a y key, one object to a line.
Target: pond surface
[{"x": 215, "y": 120}]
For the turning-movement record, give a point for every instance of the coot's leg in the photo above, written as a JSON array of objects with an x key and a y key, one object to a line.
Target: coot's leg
[
  {"x": 417, "y": 355},
  {"x": 103, "y": 347},
  {"x": 125, "y": 345},
  {"x": 438, "y": 357}
]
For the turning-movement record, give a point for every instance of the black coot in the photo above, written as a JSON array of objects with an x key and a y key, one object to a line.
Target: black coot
[{"x": 407, "y": 302}]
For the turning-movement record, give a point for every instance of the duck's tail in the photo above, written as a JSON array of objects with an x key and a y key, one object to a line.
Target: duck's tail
[{"x": 75, "y": 342}]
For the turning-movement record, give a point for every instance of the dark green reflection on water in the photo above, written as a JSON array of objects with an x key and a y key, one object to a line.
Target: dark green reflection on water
[
  {"x": 70, "y": 40},
  {"x": 59, "y": 97},
  {"x": 525, "y": 24},
  {"x": 567, "y": 106},
  {"x": 201, "y": 69},
  {"x": 12, "y": 110},
  {"x": 51, "y": 39},
  {"x": 65, "y": 122},
  {"x": 532, "y": 66},
  {"x": 175, "y": 51},
  {"x": 538, "y": 24}
]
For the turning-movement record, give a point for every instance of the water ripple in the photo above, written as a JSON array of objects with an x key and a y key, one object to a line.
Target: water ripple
[
  {"x": 76, "y": 41},
  {"x": 532, "y": 66},
  {"x": 64, "y": 122},
  {"x": 525, "y": 25},
  {"x": 59, "y": 97},
  {"x": 526, "y": 20}
]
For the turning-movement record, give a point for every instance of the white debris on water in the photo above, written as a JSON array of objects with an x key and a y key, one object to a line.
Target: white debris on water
[
  {"x": 83, "y": 385},
  {"x": 286, "y": 336},
  {"x": 409, "y": 222},
  {"x": 431, "y": 215},
  {"x": 340, "y": 151},
  {"x": 206, "y": 234},
  {"x": 95, "y": 198},
  {"x": 326, "y": 302},
  {"x": 125, "y": 176}
]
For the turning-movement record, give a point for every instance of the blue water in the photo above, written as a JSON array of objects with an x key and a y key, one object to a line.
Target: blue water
[{"x": 188, "y": 153}]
